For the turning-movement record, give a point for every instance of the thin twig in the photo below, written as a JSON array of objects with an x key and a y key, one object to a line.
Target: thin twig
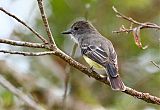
[
  {"x": 141, "y": 25},
  {"x": 22, "y": 22},
  {"x": 24, "y": 44},
  {"x": 28, "y": 53},
  {"x": 30, "y": 102},
  {"x": 155, "y": 64},
  {"x": 124, "y": 17},
  {"x": 45, "y": 21},
  {"x": 67, "y": 77}
]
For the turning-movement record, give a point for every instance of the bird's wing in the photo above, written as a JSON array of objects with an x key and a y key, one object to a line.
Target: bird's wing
[
  {"x": 103, "y": 55},
  {"x": 94, "y": 52}
]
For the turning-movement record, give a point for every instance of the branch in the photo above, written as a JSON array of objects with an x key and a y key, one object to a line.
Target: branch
[
  {"x": 28, "y": 53},
  {"x": 67, "y": 77},
  {"x": 140, "y": 95},
  {"x": 141, "y": 25},
  {"x": 46, "y": 24},
  {"x": 28, "y": 101},
  {"x": 135, "y": 30},
  {"x": 22, "y": 22},
  {"x": 24, "y": 44}
]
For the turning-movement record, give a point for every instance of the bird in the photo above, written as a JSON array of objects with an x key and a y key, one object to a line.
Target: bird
[{"x": 97, "y": 50}]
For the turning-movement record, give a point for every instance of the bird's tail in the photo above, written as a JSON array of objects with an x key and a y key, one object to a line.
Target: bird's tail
[
  {"x": 114, "y": 78},
  {"x": 116, "y": 83}
]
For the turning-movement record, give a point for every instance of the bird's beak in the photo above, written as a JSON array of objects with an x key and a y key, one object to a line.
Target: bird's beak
[{"x": 67, "y": 32}]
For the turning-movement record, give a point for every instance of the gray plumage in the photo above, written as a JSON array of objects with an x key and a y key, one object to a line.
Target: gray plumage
[{"x": 99, "y": 49}]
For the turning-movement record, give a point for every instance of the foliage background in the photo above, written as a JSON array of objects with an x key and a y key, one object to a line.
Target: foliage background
[{"x": 43, "y": 77}]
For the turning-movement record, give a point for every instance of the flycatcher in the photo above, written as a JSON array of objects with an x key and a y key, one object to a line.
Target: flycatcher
[{"x": 98, "y": 49}]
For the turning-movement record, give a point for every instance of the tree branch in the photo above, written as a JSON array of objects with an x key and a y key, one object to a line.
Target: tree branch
[
  {"x": 140, "y": 95},
  {"x": 141, "y": 25},
  {"x": 28, "y": 53},
  {"x": 45, "y": 21},
  {"x": 30, "y": 102},
  {"x": 24, "y": 44},
  {"x": 22, "y": 22}
]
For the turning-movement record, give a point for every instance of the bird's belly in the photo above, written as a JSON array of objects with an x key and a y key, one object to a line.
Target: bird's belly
[{"x": 92, "y": 63}]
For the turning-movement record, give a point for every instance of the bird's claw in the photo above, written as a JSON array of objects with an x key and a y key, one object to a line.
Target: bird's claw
[{"x": 91, "y": 69}]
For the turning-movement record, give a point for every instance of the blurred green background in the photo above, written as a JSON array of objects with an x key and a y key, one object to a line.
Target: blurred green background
[{"x": 43, "y": 77}]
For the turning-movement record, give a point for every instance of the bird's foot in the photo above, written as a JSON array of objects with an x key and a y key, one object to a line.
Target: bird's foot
[{"x": 91, "y": 69}]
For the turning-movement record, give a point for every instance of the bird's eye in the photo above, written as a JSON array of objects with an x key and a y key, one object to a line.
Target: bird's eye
[{"x": 75, "y": 28}]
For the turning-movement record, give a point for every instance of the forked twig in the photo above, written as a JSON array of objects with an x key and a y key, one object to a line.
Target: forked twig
[{"x": 141, "y": 25}]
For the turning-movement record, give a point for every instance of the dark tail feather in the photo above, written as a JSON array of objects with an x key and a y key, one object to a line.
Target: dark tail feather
[
  {"x": 114, "y": 78},
  {"x": 116, "y": 83}
]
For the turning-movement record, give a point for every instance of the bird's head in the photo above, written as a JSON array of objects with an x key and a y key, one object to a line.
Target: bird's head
[{"x": 79, "y": 28}]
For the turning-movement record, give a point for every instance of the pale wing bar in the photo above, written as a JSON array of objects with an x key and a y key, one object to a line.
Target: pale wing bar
[{"x": 95, "y": 53}]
